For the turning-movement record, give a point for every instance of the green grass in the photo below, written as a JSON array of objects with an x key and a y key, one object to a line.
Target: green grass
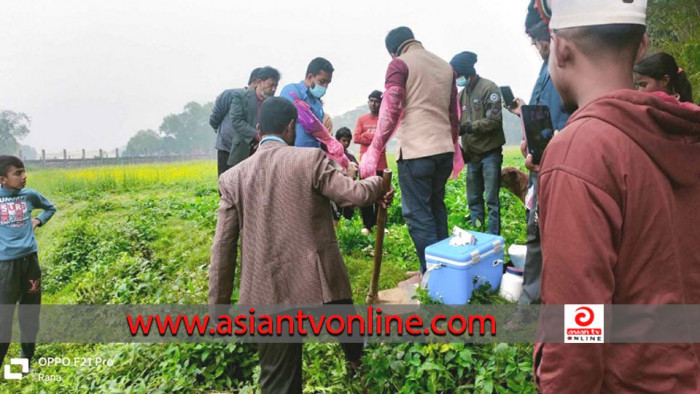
[{"x": 142, "y": 235}]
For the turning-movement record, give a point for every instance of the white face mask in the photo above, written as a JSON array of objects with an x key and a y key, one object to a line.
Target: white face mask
[{"x": 318, "y": 91}]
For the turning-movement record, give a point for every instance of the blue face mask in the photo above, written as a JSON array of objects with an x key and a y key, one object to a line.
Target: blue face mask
[
  {"x": 318, "y": 91},
  {"x": 461, "y": 82}
]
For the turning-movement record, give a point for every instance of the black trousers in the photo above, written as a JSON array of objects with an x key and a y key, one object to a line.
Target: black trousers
[
  {"x": 280, "y": 363},
  {"x": 20, "y": 281},
  {"x": 422, "y": 182},
  {"x": 369, "y": 213},
  {"x": 221, "y": 159},
  {"x": 345, "y": 212}
]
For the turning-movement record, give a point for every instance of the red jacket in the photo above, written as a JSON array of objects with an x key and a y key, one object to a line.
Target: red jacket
[{"x": 619, "y": 214}]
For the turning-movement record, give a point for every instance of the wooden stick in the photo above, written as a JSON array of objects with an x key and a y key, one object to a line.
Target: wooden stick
[{"x": 379, "y": 241}]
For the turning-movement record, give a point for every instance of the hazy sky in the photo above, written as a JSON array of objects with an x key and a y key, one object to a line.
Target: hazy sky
[{"x": 92, "y": 73}]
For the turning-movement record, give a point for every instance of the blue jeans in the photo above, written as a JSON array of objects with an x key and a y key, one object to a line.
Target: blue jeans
[
  {"x": 485, "y": 176},
  {"x": 422, "y": 183}
]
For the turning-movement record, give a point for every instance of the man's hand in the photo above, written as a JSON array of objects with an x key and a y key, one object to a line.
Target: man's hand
[
  {"x": 528, "y": 157},
  {"x": 465, "y": 129},
  {"x": 386, "y": 200},
  {"x": 368, "y": 163},
  {"x": 352, "y": 170},
  {"x": 530, "y": 165},
  {"x": 35, "y": 223},
  {"x": 516, "y": 109}
]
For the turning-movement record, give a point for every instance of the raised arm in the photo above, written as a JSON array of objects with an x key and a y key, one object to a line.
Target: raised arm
[
  {"x": 316, "y": 129},
  {"x": 390, "y": 113},
  {"x": 341, "y": 189}
]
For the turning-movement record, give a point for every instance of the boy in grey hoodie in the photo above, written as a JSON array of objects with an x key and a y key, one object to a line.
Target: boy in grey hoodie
[{"x": 20, "y": 275}]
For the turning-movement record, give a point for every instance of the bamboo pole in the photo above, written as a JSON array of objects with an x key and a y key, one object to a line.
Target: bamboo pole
[{"x": 379, "y": 242}]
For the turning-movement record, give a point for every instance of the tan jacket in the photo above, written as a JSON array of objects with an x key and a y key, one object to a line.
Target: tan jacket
[
  {"x": 425, "y": 128},
  {"x": 278, "y": 203}
]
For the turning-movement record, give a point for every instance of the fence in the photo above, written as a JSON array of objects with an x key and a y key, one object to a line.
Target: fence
[{"x": 101, "y": 157}]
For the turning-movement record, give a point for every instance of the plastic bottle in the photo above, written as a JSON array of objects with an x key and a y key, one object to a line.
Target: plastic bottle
[
  {"x": 511, "y": 284},
  {"x": 517, "y": 255}
]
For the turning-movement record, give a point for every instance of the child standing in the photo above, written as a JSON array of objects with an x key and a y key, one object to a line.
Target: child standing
[
  {"x": 344, "y": 136},
  {"x": 20, "y": 275}
]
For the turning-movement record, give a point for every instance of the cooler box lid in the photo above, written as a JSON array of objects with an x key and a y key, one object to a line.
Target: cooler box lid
[{"x": 462, "y": 256}]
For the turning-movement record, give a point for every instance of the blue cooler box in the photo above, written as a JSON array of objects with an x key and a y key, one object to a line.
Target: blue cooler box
[{"x": 453, "y": 272}]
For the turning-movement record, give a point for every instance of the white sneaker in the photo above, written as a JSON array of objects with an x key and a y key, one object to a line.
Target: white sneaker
[{"x": 366, "y": 231}]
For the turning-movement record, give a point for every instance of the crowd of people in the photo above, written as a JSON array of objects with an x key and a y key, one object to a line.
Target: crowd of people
[{"x": 612, "y": 206}]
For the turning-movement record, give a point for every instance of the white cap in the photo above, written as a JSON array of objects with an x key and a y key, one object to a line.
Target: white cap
[{"x": 579, "y": 13}]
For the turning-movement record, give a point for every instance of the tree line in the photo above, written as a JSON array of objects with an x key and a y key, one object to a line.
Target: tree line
[{"x": 183, "y": 134}]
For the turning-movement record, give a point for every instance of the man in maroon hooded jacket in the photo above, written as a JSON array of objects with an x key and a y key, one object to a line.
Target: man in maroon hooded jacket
[{"x": 619, "y": 203}]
